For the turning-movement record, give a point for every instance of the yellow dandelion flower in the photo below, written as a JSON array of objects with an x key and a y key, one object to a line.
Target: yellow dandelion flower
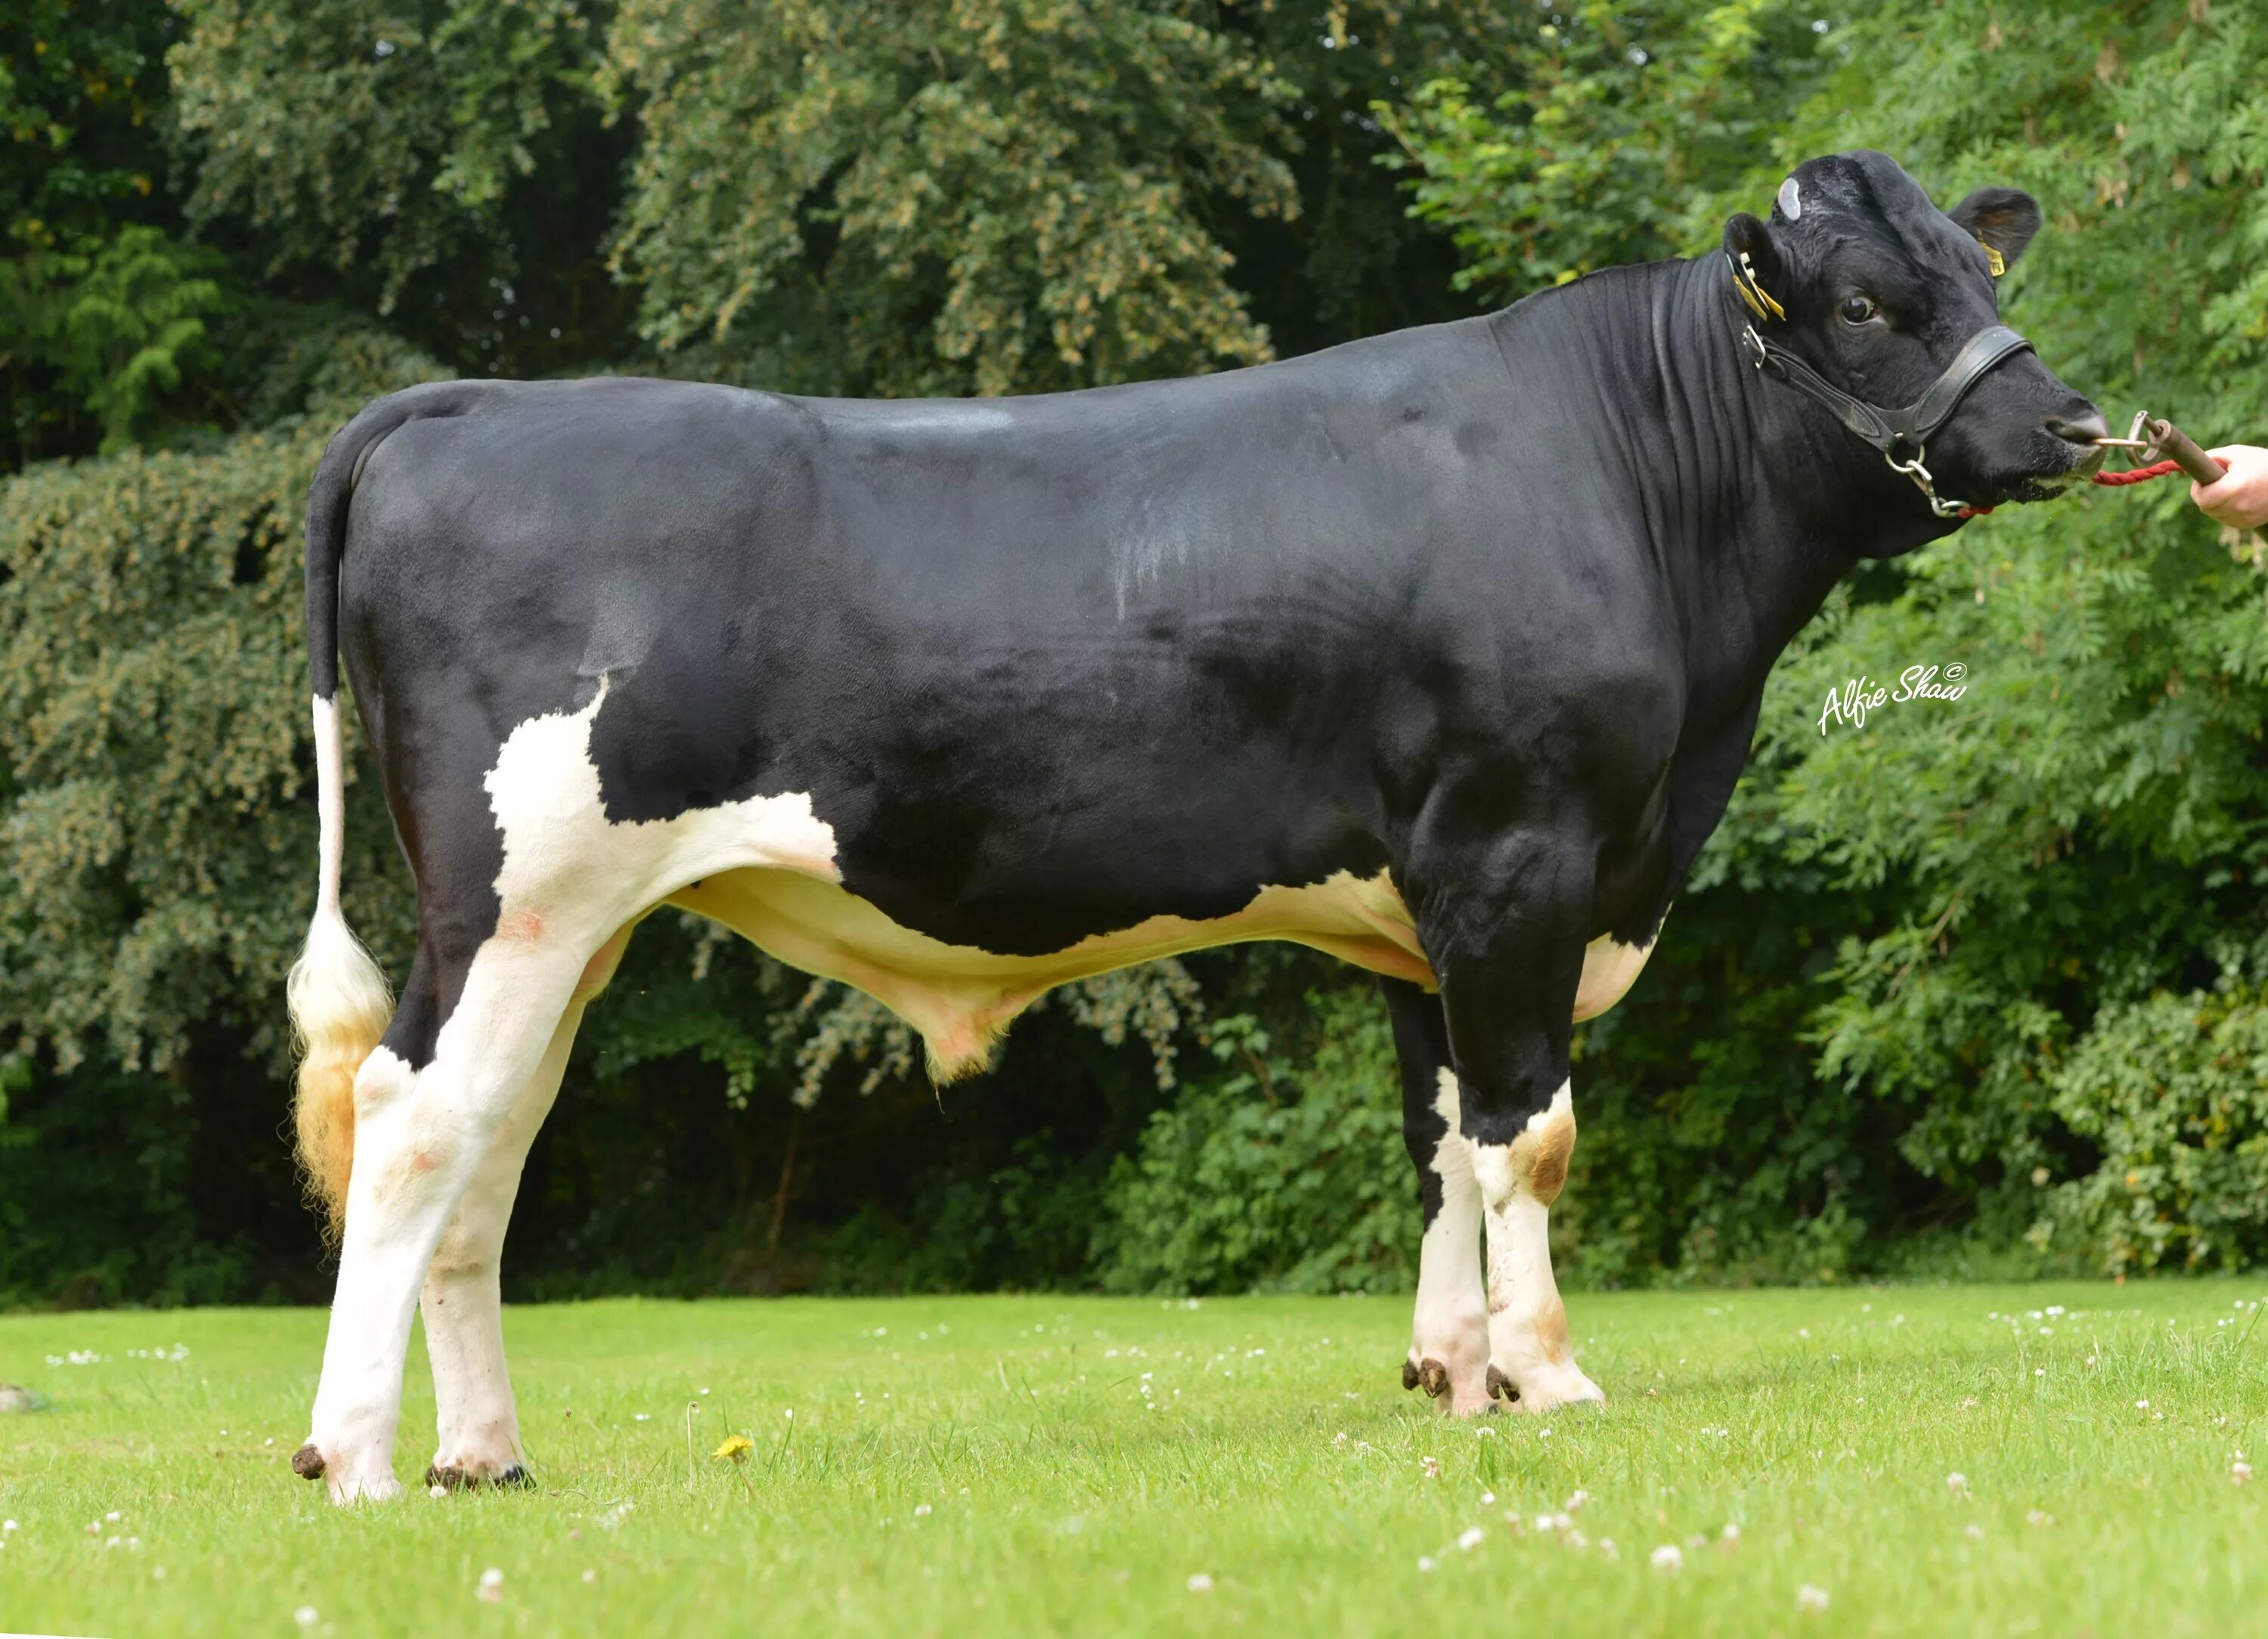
[{"x": 736, "y": 1448}]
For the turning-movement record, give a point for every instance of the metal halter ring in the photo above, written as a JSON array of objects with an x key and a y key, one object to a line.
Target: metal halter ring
[{"x": 1928, "y": 485}]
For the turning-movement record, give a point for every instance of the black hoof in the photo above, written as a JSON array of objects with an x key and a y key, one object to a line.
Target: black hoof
[
  {"x": 1500, "y": 1387},
  {"x": 1409, "y": 1379},
  {"x": 307, "y": 1462},
  {"x": 458, "y": 1480},
  {"x": 1434, "y": 1377}
]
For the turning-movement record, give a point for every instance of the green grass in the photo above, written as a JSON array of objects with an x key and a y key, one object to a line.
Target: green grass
[{"x": 1003, "y": 1471}]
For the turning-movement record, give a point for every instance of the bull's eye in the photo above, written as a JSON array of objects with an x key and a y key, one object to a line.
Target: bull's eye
[{"x": 1857, "y": 310}]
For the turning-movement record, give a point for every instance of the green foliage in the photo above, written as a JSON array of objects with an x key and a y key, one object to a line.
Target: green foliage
[
  {"x": 152, "y": 684},
  {"x": 120, "y": 322},
  {"x": 1928, "y": 961},
  {"x": 343, "y": 134},
  {"x": 1605, "y": 148},
  {"x": 2174, "y": 1091},
  {"x": 1280, "y": 1175},
  {"x": 946, "y": 196}
]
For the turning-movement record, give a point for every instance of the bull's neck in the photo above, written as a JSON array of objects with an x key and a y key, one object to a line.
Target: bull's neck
[{"x": 1753, "y": 500}]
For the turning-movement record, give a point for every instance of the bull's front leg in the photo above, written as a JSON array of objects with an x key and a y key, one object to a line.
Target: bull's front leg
[
  {"x": 1531, "y": 1358},
  {"x": 1508, "y": 943},
  {"x": 1448, "y": 1334}
]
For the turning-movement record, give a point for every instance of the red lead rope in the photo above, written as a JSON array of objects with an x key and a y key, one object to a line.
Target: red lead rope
[{"x": 2140, "y": 475}]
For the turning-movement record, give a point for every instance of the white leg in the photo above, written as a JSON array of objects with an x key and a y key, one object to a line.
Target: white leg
[
  {"x": 463, "y": 1306},
  {"x": 1449, "y": 1333},
  {"x": 1529, "y": 1353},
  {"x": 421, "y": 1138}
]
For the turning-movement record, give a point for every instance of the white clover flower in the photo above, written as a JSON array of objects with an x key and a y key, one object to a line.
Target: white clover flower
[
  {"x": 1732, "y": 1536},
  {"x": 920, "y": 1510},
  {"x": 1201, "y": 1584},
  {"x": 2240, "y": 1472},
  {"x": 1488, "y": 1499},
  {"x": 1810, "y": 1599},
  {"x": 1974, "y": 1531},
  {"x": 1469, "y": 1538},
  {"x": 1958, "y": 1484},
  {"x": 491, "y": 1588},
  {"x": 1432, "y": 1465},
  {"x": 1607, "y": 1547},
  {"x": 1425, "y": 1561},
  {"x": 307, "y": 1616},
  {"x": 2038, "y": 1518},
  {"x": 1670, "y": 1559}
]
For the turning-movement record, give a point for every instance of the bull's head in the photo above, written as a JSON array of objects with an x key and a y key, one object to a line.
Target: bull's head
[{"x": 1860, "y": 278}]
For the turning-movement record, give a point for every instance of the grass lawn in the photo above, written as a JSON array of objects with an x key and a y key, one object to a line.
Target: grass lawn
[{"x": 1054, "y": 1465}]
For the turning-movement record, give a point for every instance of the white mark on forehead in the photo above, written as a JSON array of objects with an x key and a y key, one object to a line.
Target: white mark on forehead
[{"x": 1791, "y": 201}]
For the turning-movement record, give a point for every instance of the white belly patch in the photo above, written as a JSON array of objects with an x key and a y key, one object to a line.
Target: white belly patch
[{"x": 960, "y": 997}]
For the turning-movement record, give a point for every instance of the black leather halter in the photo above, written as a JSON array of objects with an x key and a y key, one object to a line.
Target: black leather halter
[{"x": 1886, "y": 430}]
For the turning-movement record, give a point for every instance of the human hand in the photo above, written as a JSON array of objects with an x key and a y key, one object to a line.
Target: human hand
[{"x": 2240, "y": 498}]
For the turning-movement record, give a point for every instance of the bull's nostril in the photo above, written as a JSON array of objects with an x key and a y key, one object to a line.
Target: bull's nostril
[{"x": 2079, "y": 428}]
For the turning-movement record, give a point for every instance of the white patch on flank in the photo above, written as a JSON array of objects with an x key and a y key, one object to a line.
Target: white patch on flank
[
  {"x": 1609, "y": 969},
  {"x": 1451, "y": 1322},
  {"x": 560, "y": 850},
  {"x": 1790, "y": 200},
  {"x": 1528, "y": 1322}
]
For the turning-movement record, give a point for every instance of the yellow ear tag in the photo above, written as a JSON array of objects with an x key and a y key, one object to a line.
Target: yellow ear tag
[
  {"x": 1755, "y": 292},
  {"x": 1994, "y": 260}
]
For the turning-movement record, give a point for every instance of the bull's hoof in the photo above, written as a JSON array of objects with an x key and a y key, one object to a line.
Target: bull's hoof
[
  {"x": 307, "y": 1462},
  {"x": 1409, "y": 1377},
  {"x": 457, "y": 1479},
  {"x": 1434, "y": 1377},
  {"x": 1501, "y": 1388}
]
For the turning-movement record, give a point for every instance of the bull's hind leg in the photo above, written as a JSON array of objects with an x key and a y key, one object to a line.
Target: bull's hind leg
[
  {"x": 431, "y": 1104},
  {"x": 462, "y": 1304},
  {"x": 1449, "y": 1338}
]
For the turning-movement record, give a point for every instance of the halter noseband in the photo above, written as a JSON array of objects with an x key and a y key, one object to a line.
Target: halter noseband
[{"x": 1886, "y": 430}]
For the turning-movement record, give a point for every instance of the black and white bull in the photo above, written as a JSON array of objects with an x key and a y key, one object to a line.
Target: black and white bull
[{"x": 1439, "y": 651}]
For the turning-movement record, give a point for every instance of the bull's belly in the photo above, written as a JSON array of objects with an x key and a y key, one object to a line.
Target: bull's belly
[{"x": 960, "y": 997}]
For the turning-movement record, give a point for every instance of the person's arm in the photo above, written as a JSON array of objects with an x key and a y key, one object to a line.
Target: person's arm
[{"x": 2240, "y": 498}]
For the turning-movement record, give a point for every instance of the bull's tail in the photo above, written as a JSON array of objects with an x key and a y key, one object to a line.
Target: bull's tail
[{"x": 340, "y": 1001}]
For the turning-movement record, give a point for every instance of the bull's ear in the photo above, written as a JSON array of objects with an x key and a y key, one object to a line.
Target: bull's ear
[
  {"x": 1757, "y": 268},
  {"x": 2001, "y": 219}
]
